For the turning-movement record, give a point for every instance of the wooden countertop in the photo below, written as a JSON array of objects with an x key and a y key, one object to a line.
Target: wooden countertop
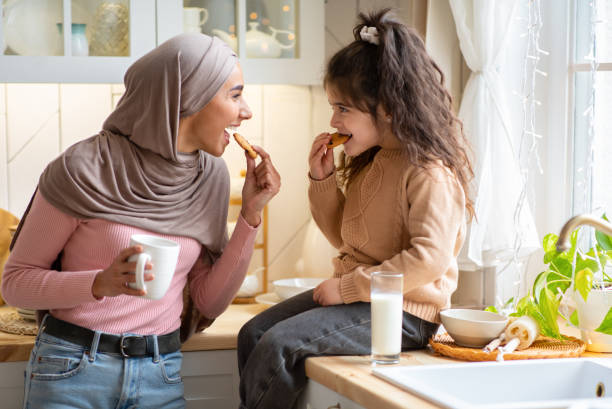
[
  {"x": 220, "y": 335},
  {"x": 351, "y": 376}
]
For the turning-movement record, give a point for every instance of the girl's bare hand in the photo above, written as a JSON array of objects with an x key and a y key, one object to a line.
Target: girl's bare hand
[
  {"x": 321, "y": 158},
  {"x": 328, "y": 292},
  {"x": 115, "y": 279}
]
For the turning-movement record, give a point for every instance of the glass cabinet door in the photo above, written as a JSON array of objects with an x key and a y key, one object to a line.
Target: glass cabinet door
[
  {"x": 212, "y": 17},
  {"x": 31, "y": 27},
  {"x": 271, "y": 27},
  {"x": 106, "y": 25},
  {"x": 73, "y": 40},
  {"x": 36, "y": 28}
]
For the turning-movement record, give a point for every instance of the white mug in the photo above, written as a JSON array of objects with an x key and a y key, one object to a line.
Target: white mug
[
  {"x": 194, "y": 18},
  {"x": 163, "y": 254}
]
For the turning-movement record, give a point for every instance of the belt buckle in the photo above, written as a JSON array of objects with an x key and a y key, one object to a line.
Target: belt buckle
[{"x": 122, "y": 345}]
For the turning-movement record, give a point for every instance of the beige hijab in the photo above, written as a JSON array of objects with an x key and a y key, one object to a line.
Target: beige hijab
[{"x": 131, "y": 172}]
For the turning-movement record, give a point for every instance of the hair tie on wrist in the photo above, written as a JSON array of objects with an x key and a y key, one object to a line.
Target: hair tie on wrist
[{"x": 369, "y": 34}]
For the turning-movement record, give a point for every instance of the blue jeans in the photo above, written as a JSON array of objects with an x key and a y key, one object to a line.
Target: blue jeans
[
  {"x": 273, "y": 346},
  {"x": 63, "y": 375}
]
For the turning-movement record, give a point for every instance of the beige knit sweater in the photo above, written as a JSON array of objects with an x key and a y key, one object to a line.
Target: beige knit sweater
[{"x": 395, "y": 217}]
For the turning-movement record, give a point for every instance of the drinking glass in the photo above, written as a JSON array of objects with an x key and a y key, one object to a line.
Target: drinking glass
[{"x": 387, "y": 313}]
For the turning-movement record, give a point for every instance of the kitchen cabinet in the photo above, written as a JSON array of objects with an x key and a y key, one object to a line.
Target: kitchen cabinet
[
  {"x": 103, "y": 39},
  {"x": 210, "y": 379},
  {"x": 278, "y": 41},
  {"x": 317, "y": 396}
]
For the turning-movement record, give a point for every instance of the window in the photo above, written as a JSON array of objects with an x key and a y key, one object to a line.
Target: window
[{"x": 592, "y": 106}]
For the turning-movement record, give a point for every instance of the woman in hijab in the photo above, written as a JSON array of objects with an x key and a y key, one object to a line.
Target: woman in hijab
[{"x": 155, "y": 168}]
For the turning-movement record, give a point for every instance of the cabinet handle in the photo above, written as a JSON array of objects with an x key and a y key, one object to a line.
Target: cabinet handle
[{"x": 336, "y": 406}]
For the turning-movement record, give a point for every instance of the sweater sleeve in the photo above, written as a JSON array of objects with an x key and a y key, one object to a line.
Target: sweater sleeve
[
  {"x": 326, "y": 206},
  {"x": 213, "y": 287},
  {"x": 435, "y": 214},
  {"x": 28, "y": 281}
]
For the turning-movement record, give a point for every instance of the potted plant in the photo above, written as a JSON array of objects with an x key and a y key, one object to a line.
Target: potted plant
[{"x": 580, "y": 276}]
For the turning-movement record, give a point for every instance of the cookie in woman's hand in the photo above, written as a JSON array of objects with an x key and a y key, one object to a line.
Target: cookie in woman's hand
[{"x": 244, "y": 144}]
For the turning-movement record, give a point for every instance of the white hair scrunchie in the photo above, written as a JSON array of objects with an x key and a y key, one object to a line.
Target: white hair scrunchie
[{"x": 369, "y": 34}]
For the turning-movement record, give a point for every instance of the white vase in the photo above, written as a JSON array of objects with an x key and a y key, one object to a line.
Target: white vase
[{"x": 590, "y": 316}]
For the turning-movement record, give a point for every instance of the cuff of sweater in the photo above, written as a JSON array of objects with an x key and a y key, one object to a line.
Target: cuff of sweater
[
  {"x": 243, "y": 224},
  {"x": 323, "y": 185},
  {"x": 81, "y": 287},
  {"x": 348, "y": 289}
]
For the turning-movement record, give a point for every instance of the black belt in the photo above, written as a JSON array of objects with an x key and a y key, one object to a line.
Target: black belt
[{"x": 126, "y": 345}]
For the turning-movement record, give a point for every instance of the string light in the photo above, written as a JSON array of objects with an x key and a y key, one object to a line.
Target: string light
[
  {"x": 528, "y": 146},
  {"x": 589, "y": 113}
]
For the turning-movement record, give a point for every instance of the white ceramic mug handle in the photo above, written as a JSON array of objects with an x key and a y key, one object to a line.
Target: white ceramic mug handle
[
  {"x": 204, "y": 16},
  {"x": 140, "y": 267}
]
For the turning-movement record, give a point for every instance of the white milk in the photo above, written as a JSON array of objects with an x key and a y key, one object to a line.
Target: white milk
[{"x": 386, "y": 324}]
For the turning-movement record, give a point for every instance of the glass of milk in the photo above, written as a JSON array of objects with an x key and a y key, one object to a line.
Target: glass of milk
[{"x": 387, "y": 314}]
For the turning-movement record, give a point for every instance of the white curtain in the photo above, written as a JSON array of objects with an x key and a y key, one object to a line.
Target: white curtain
[{"x": 482, "y": 28}]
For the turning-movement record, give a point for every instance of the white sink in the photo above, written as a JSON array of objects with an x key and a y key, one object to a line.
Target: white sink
[{"x": 535, "y": 383}]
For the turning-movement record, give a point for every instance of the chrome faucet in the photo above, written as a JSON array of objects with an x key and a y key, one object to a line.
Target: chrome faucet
[{"x": 563, "y": 243}]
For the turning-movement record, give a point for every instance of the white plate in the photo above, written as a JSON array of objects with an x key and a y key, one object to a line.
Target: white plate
[{"x": 268, "y": 298}]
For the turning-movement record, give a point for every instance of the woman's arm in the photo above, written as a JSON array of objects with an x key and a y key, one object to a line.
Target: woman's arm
[
  {"x": 27, "y": 280},
  {"x": 213, "y": 287}
]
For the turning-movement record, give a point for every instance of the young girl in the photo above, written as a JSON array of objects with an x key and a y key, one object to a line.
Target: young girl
[{"x": 396, "y": 202}]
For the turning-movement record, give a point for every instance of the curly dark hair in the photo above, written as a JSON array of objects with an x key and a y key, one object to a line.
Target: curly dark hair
[{"x": 399, "y": 75}]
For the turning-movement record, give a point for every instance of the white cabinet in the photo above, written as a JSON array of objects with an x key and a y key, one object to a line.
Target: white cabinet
[
  {"x": 317, "y": 396},
  {"x": 210, "y": 379},
  {"x": 103, "y": 39},
  {"x": 278, "y": 41}
]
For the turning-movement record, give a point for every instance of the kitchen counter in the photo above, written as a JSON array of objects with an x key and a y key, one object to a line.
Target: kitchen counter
[
  {"x": 349, "y": 376},
  {"x": 220, "y": 335}
]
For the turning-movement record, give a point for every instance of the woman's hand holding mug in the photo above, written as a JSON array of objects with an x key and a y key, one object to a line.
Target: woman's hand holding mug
[
  {"x": 126, "y": 275},
  {"x": 262, "y": 182},
  {"x": 114, "y": 280}
]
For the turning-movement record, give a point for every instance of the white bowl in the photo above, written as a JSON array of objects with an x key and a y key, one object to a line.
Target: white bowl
[
  {"x": 289, "y": 287},
  {"x": 472, "y": 328}
]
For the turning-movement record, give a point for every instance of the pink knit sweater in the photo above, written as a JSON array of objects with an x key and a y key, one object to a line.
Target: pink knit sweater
[{"x": 89, "y": 246}]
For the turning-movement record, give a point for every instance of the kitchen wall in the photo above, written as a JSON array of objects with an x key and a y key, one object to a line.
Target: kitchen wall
[{"x": 38, "y": 121}]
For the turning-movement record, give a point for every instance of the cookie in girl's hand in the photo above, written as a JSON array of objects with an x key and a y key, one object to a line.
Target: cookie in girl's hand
[{"x": 337, "y": 139}]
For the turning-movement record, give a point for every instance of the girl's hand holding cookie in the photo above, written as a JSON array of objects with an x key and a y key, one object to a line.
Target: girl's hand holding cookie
[
  {"x": 321, "y": 157},
  {"x": 262, "y": 182}
]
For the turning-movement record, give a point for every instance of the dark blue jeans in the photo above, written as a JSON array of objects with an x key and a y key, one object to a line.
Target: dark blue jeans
[{"x": 273, "y": 346}]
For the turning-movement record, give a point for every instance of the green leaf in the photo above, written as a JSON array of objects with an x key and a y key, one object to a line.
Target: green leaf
[
  {"x": 588, "y": 261},
  {"x": 584, "y": 282},
  {"x": 603, "y": 239},
  {"x": 549, "y": 243},
  {"x": 491, "y": 308},
  {"x": 574, "y": 318},
  {"x": 548, "y": 307},
  {"x": 562, "y": 266},
  {"x": 539, "y": 283},
  {"x": 606, "y": 325}
]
